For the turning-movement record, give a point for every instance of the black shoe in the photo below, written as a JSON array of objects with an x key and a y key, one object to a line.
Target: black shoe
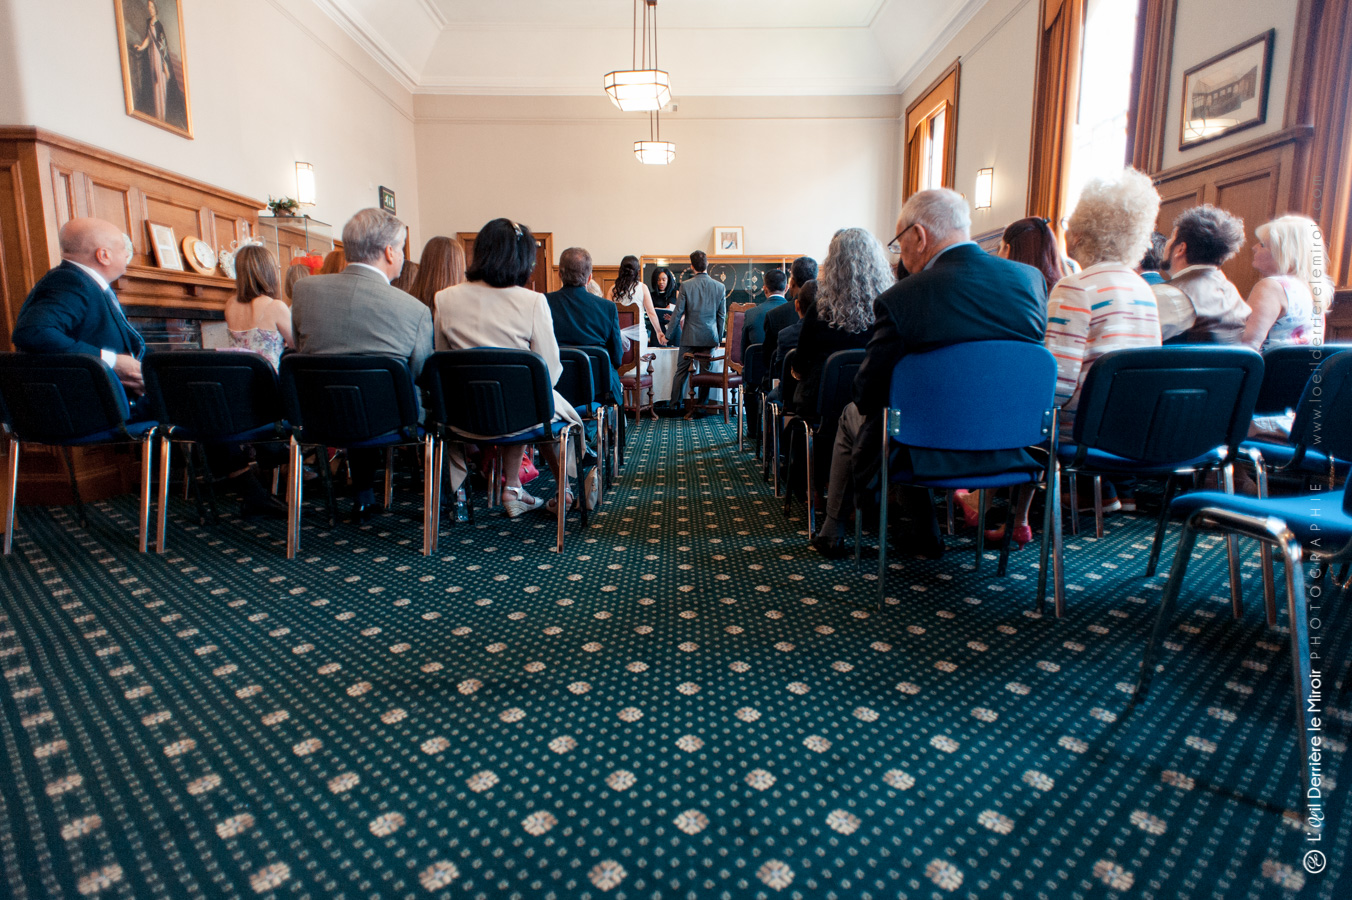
[
  {"x": 255, "y": 500},
  {"x": 362, "y": 513},
  {"x": 831, "y": 548}
]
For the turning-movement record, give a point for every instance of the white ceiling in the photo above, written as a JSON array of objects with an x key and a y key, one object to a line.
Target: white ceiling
[{"x": 711, "y": 47}]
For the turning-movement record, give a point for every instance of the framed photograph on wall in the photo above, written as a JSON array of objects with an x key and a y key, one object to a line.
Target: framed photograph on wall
[
  {"x": 154, "y": 69},
  {"x": 165, "y": 247},
  {"x": 1227, "y": 93},
  {"x": 387, "y": 200},
  {"x": 729, "y": 240}
]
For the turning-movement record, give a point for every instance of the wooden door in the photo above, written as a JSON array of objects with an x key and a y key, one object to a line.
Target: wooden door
[{"x": 542, "y": 279}]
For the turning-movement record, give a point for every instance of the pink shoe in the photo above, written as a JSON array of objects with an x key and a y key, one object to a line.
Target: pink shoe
[{"x": 1023, "y": 534}]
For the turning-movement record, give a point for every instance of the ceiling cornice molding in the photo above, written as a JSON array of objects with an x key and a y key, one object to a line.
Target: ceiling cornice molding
[
  {"x": 938, "y": 42},
  {"x": 434, "y": 13},
  {"x": 364, "y": 33}
]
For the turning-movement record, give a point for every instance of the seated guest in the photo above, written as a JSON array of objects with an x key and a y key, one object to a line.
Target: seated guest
[
  {"x": 294, "y": 272},
  {"x": 334, "y": 262},
  {"x": 787, "y": 339},
  {"x": 1105, "y": 306},
  {"x": 956, "y": 293},
  {"x": 495, "y": 309},
  {"x": 256, "y": 319},
  {"x": 442, "y": 265},
  {"x": 855, "y": 273},
  {"x": 629, "y": 288},
  {"x": 1198, "y": 304},
  {"x": 803, "y": 271},
  {"x": 407, "y": 275},
  {"x": 73, "y": 310},
  {"x": 1153, "y": 261},
  {"x": 1289, "y": 302},
  {"x": 359, "y": 311},
  {"x": 753, "y": 324},
  {"x": 1030, "y": 241},
  {"x": 663, "y": 288},
  {"x": 583, "y": 320}
]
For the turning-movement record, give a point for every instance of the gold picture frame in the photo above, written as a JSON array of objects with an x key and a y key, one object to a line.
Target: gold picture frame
[
  {"x": 150, "y": 37},
  {"x": 729, "y": 240},
  {"x": 1226, "y": 93},
  {"x": 164, "y": 247}
]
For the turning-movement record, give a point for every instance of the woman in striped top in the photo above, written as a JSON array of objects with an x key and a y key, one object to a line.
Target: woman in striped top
[{"x": 1107, "y": 305}]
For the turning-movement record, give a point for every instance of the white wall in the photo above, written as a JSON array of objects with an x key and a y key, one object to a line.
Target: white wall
[
  {"x": 998, "y": 50},
  {"x": 1204, "y": 28},
  {"x": 266, "y": 91},
  {"x": 791, "y": 170}
]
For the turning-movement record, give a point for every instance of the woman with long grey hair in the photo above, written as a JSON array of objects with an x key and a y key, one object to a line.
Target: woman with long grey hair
[{"x": 855, "y": 272}]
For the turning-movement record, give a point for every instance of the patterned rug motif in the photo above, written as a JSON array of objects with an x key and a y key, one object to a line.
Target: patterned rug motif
[{"x": 686, "y": 702}]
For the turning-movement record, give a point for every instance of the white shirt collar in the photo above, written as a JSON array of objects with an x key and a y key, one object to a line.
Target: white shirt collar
[
  {"x": 383, "y": 276},
  {"x": 953, "y": 246},
  {"x": 98, "y": 279}
]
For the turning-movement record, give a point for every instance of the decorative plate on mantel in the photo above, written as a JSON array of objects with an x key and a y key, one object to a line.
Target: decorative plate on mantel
[{"x": 199, "y": 255}]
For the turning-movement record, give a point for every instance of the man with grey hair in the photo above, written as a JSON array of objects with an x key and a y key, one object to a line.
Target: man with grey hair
[
  {"x": 955, "y": 293},
  {"x": 358, "y": 311}
]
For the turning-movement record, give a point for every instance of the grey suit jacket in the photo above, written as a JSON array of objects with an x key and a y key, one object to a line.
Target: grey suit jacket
[
  {"x": 704, "y": 303},
  {"x": 356, "y": 311}
]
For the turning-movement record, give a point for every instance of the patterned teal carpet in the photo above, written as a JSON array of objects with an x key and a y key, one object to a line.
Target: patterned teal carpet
[{"x": 687, "y": 702}]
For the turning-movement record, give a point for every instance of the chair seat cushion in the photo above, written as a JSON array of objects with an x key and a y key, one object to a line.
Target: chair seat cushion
[
  {"x": 392, "y": 439},
  {"x": 529, "y": 436},
  {"x": 1316, "y": 516},
  {"x": 271, "y": 431},
  {"x": 971, "y": 482},
  {"x": 135, "y": 430},
  {"x": 588, "y": 409},
  {"x": 630, "y": 381},
  {"x": 1281, "y": 455},
  {"x": 715, "y": 379},
  {"x": 1102, "y": 461}
]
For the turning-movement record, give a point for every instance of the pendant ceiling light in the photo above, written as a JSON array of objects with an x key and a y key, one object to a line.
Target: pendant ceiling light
[
  {"x": 645, "y": 87},
  {"x": 654, "y": 151}
]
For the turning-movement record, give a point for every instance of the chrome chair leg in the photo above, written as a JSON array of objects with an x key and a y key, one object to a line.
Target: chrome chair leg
[
  {"x": 431, "y": 496},
  {"x": 808, "y": 432},
  {"x": 1255, "y": 457},
  {"x": 561, "y": 504},
  {"x": 950, "y": 524},
  {"x": 147, "y": 467},
  {"x": 883, "y": 480},
  {"x": 1170, "y": 489},
  {"x": 980, "y": 527},
  {"x": 13, "y": 489},
  {"x": 389, "y": 477},
  {"x": 1098, "y": 506},
  {"x": 741, "y": 419},
  {"x": 162, "y": 509},
  {"x": 1074, "y": 505},
  {"x": 1052, "y": 544},
  {"x": 294, "y": 486},
  {"x": 1232, "y": 551}
]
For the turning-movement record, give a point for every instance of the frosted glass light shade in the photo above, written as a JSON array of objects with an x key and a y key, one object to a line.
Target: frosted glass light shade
[
  {"x": 985, "y": 184},
  {"x": 654, "y": 153},
  {"x": 305, "y": 184},
  {"x": 639, "y": 90}
]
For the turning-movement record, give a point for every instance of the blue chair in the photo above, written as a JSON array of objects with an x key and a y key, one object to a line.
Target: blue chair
[
  {"x": 1164, "y": 412},
  {"x": 609, "y": 421},
  {"x": 210, "y": 397},
  {"x": 353, "y": 402},
  {"x": 982, "y": 395},
  {"x": 68, "y": 400},
  {"x": 776, "y": 411},
  {"x": 835, "y": 392},
  {"x": 1319, "y": 523},
  {"x": 578, "y": 386},
  {"x": 495, "y": 398}
]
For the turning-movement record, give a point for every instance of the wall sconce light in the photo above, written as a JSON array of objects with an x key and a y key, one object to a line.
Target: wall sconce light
[
  {"x": 305, "y": 184},
  {"x": 985, "y": 180}
]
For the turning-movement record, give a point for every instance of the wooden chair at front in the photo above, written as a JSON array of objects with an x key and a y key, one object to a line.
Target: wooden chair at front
[
  {"x": 730, "y": 355},
  {"x": 634, "y": 377}
]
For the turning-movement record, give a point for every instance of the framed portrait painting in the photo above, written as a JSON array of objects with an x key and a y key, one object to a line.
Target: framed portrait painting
[
  {"x": 1226, "y": 93},
  {"x": 729, "y": 240},
  {"x": 154, "y": 68}
]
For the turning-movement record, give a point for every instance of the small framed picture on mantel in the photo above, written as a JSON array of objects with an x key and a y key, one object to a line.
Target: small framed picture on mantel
[
  {"x": 729, "y": 240},
  {"x": 1227, "y": 93},
  {"x": 387, "y": 200}
]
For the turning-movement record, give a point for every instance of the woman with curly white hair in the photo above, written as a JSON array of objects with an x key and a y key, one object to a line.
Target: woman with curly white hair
[
  {"x": 855, "y": 272},
  {"x": 1106, "y": 305}
]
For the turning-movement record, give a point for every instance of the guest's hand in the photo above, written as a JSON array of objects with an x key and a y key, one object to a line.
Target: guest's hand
[{"x": 128, "y": 371}]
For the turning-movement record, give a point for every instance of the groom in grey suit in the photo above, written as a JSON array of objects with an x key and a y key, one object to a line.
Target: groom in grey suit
[
  {"x": 703, "y": 302},
  {"x": 358, "y": 311}
]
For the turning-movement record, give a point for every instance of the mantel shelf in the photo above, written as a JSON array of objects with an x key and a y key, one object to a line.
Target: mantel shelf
[{"x": 174, "y": 276}]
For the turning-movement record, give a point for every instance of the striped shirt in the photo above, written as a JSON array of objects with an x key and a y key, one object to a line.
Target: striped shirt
[{"x": 1105, "y": 307}]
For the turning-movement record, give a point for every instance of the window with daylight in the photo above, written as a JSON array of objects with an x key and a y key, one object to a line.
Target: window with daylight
[
  {"x": 931, "y": 134},
  {"x": 1099, "y": 133}
]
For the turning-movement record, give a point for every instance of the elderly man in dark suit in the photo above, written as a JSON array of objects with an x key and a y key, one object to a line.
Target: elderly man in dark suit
[
  {"x": 582, "y": 319},
  {"x": 358, "y": 311},
  {"x": 72, "y": 309},
  {"x": 957, "y": 293},
  {"x": 700, "y": 316}
]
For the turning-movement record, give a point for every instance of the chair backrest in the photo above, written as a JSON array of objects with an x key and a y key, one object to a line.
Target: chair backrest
[
  {"x": 788, "y": 385},
  {"x": 630, "y": 315},
  {"x": 1162, "y": 405},
  {"x": 837, "y": 384},
  {"x": 600, "y": 373},
  {"x": 340, "y": 400},
  {"x": 488, "y": 390},
  {"x": 59, "y": 398},
  {"x": 209, "y": 395},
  {"x": 753, "y": 366},
  {"x": 981, "y": 395},
  {"x": 576, "y": 384},
  {"x": 1286, "y": 371},
  {"x": 732, "y": 342},
  {"x": 1324, "y": 416}
]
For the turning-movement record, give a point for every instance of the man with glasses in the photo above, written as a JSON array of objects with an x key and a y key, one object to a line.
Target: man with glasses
[{"x": 955, "y": 292}]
